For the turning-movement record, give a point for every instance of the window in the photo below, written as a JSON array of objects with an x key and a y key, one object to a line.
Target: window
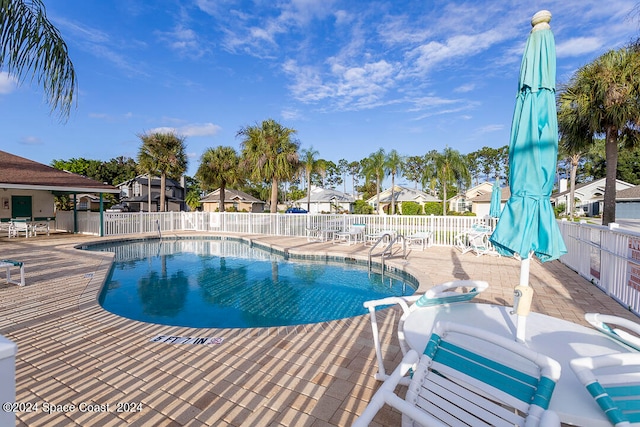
[{"x": 137, "y": 189}]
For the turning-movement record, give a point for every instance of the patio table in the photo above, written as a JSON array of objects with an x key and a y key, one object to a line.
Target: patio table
[{"x": 554, "y": 337}]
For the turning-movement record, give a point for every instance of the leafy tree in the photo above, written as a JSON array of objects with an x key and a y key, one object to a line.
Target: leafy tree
[
  {"x": 219, "y": 167},
  {"x": 310, "y": 164},
  {"x": 412, "y": 168},
  {"x": 270, "y": 154},
  {"x": 394, "y": 164},
  {"x": 605, "y": 94},
  {"x": 30, "y": 44},
  {"x": 163, "y": 154},
  {"x": 374, "y": 168},
  {"x": 343, "y": 168},
  {"x": 354, "y": 170}
]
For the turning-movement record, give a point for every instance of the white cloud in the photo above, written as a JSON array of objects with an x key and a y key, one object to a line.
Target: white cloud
[
  {"x": 465, "y": 88},
  {"x": 578, "y": 46},
  {"x": 491, "y": 128},
  {"x": 7, "y": 83},
  {"x": 203, "y": 129},
  {"x": 30, "y": 140}
]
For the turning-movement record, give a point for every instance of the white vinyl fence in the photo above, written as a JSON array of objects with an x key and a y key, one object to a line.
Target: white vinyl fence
[{"x": 606, "y": 256}]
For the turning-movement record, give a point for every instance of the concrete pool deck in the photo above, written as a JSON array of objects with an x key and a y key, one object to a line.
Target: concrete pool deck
[{"x": 71, "y": 352}]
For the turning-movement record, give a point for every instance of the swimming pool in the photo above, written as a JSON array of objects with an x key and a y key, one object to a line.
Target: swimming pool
[{"x": 216, "y": 283}]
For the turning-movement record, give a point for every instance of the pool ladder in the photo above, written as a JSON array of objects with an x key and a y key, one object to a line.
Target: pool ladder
[{"x": 387, "y": 252}]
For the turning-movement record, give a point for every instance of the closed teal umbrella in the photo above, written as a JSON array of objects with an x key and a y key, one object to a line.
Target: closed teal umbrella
[
  {"x": 527, "y": 224},
  {"x": 496, "y": 196}
]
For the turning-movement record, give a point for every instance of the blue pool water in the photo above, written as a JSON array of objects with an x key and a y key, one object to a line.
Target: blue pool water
[{"x": 212, "y": 283}]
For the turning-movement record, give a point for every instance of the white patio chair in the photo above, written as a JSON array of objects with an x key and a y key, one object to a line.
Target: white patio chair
[
  {"x": 354, "y": 234},
  {"x": 419, "y": 240},
  {"x": 470, "y": 377},
  {"x": 446, "y": 293},
  {"x": 606, "y": 324},
  {"x": 462, "y": 240},
  {"x": 613, "y": 380}
]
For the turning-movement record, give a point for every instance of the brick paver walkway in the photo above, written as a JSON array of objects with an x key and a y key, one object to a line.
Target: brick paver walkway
[{"x": 85, "y": 366}]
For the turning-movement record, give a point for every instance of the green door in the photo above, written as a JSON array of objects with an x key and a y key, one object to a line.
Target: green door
[{"x": 21, "y": 207}]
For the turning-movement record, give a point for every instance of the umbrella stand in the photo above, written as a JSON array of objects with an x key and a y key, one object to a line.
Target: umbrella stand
[{"x": 523, "y": 295}]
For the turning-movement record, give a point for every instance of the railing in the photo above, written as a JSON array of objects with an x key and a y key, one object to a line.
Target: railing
[{"x": 606, "y": 256}]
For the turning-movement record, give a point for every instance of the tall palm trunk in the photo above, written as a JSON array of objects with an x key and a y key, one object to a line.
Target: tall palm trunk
[
  {"x": 378, "y": 195},
  {"x": 308, "y": 191},
  {"x": 149, "y": 192},
  {"x": 572, "y": 198},
  {"x": 223, "y": 186},
  {"x": 611, "y": 155},
  {"x": 163, "y": 189},
  {"x": 393, "y": 198},
  {"x": 274, "y": 196}
]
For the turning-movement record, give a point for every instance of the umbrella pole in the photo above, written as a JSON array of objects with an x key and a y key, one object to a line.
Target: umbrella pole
[{"x": 523, "y": 295}]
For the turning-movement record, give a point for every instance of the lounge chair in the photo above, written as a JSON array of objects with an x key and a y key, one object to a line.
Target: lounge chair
[
  {"x": 471, "y": 377},
  {"x": 613, "y": 380},
  {"x": 372, "y": 238},
  {"x": 419, "y": 240},
  {"x": 480, "y": 244},
  {"x": 462, "y": 240},
  {"x": 445, "y": 293},
  {"x": 606, "y": 324},
  {"x": 354, "y": 234}
]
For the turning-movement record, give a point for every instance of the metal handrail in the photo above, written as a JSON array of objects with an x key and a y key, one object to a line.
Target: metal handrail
[{"x": 387, "y": 250}]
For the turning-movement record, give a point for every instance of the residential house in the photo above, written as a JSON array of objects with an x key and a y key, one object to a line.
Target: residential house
[
  {"x": 481, "y": 204},
  {"x": 400, "y": 195},
  {"x": 87, "y": 202},
  {"x": 234, "y": 200},
  {"x": 29, "y": 188},
  {"x": 463, "y": 201},
  {"x": 628, "y": 203},
  {"x": 326, "y": 200},
  {"x": 134, "y": 193},
  {"x": 589, "y": 196}
]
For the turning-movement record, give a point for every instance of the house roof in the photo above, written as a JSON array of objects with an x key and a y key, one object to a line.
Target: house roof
[
  {"x": 327, "y": 195},
  {"x": 598, "y": 183},
  {"x": 486, "y": 198},
  {"x": 18, "y": 172},
  {"x": 632, "y": 193},
  {"x": 404, "y": 194},
  {"x": 230, "y": 195}
]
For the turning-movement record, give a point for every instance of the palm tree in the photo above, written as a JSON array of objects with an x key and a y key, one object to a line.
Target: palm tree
[
  {"x": 575, "y": 138},
  {"x": 605, "y": 95},
  {"x": 218, "y": 167},
  {"x": 373, "y": 167},
  {"x": 449, "y": 167},
  {"x": 394, "y": 164},
  {"x": 310, "y": 164},
  {"x": 163, "y": 154},
  {"x": 270, "y": 154},
  {"x": 30, "y": 44}
]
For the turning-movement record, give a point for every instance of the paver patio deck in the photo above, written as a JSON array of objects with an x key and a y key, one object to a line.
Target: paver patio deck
[{"x": 71, "y": 352}]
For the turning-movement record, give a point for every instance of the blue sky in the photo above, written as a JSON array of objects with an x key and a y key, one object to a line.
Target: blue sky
[{"x": 350, "y": 76}]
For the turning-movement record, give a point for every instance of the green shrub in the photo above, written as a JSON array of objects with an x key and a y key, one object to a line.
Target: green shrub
[
  {"x": 433, "y": 208},
  {"x": 411, "y": 208},
  {"x": 362, "y": 208},
  {"x": 559, "y": 209}
]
